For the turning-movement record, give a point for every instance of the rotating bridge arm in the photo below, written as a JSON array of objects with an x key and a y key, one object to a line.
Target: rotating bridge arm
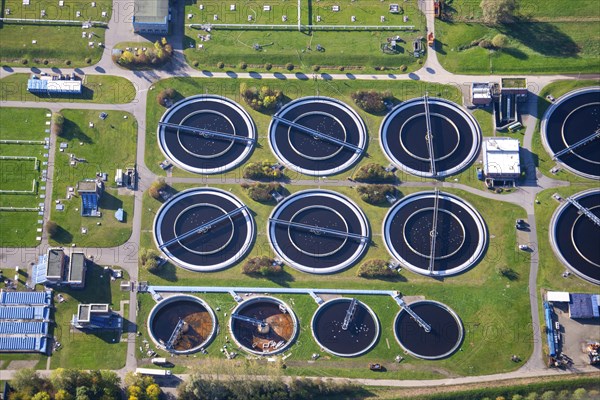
[{"x": 207, "y": 132}]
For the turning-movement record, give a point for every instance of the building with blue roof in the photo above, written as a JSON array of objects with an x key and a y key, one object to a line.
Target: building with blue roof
[
  {"x": 25, "y": 313},
  {"x": 25, "y": 298},
  {"x": 23, "y": 344},
  {"x": 23, "y": 328},
  {"x": 49, "y": 85},
  {"x": 584, "y": 306}
]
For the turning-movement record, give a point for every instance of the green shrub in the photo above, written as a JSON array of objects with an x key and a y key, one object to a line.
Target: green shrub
[
  {"x": 220, "y": 65},
  {"x": 375, "y": 194},
  {"x": 316, "y": 68},
  {"x": 374, "y": 173},
  {"x": 268, "y": 66},
  {"x": 261, "y": 99},
  {"x": 403, "y": 68},
  {"x": 263, "y": 265},
  {"x": 156, "y": 187},
  {"x": 289, "y": 66},
  {"x": 262, "y": 191},
  {"x": 68, "y": 62},
  {"x": 195, "y": 63},
  {"x": 375, "y": 269},
  {"x": 262, "y": 170},
  {"x": 166, "y": 96},
  {"x": 88, "y": 60},
  {"x": 45, "y": 62},
  {"x": 243, "y": 65},
  {"x": 500, "y": 41},
  {"x": 372, "y": 101}
]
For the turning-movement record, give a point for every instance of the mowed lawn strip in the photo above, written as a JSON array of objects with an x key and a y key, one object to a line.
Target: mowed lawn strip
[
  {"x": 545, "y": 38},
  {"x": 18, "y": 228},
  {"x": 109, "y": 145},
  {"x": 103, "y": 89},
  {"x": 359, "y": 50},
  {"x": 93, "y": 350}
]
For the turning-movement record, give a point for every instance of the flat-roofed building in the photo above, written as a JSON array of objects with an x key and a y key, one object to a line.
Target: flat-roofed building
[
  {"x": 55, "y": 265},
  {"x": 96, "y": 316},
  {"x": 481, "y": 94},
  {"x": 151, "y": 16},
  {"x": 50, "y": 85},
  {"x": 77, "y": 269},
  {"x": 501, "y": 159}
]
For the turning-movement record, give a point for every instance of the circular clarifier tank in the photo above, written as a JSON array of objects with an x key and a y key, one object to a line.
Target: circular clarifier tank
[
  {"x": 453, "y": 227},
  {"x": 204, "y": 229},
  {"x": 345, "y": 327},
  {"x": 263, "y": 325},
  {"x": 318, "y": 231},
  {"x": 444, "y": 338},
  {"x": 456, "y": 137},
  {"x": 199, "y": 323},
  {"x": 570, "y": 131},
  {"x": 317, "y": 136},
  {"x": 574, "y": 233},
  {"x": 206, "y": 134}
]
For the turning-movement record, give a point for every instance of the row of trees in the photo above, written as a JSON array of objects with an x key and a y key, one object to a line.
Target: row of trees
[
  {"x": 202, "y": 387},
  {"x": 375, "y": 194},
  {"x": 373, "y": 173},
  {"x": 261, "y": 192},
  {"x": 264, "y": 266}
]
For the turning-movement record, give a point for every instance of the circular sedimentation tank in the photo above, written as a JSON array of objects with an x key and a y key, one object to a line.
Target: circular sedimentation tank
[
  {"x": 318, "y": 231},
  {"x": 185, "y": 134},
  {"x": 342, "y": 139},
  {"x": 573, "y": 123},
  {"x": 411, "y": 224},
  {"x": 574, "y": 235},
  {"x": 204, "y": 229},
  {"x": 199, "y": 323},
  {"x": 456, "y": 137},
  {"x": 445, "y": 336},
  {"x": 267, "y": 325},
  {"x": 334, "y": 336}
]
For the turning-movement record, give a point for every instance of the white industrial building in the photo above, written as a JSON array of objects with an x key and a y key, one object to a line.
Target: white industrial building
[{"x": 501, "y": 160}]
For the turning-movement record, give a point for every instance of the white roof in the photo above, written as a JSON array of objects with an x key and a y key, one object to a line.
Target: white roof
[
  {"x": 563, "y": 297},
  {"x": 501, "y": 156},
  {"x": 502, "y": 144}
]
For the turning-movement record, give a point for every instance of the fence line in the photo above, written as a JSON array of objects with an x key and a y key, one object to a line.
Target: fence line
[
  {"x": 53, "y": 21},
  {"x": 286, "y": 27},
  {"x": 7, "y": 141},
  {"x": 32, "y": 191}
]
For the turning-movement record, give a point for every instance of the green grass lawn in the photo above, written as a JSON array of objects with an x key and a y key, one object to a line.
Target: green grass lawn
[
  {"x": 485, "y": 119},
  {"x": 102, "y": 350},
  {"x": 103, "y": 89},
  {"x": 18, "y": 228},
  {"x": 495, "y": 311},
  {"x": 544, "y": 161},
  {"x": 109, "y": 145},
  {"x": 359, "y": 51},
  {"x": 560, "y": 38},
  {"x": 341, "y": 90},
  {"x": 55, "y": 44}
]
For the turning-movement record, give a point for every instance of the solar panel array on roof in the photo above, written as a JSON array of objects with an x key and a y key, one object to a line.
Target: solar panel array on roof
[
  {"x": 29, "y": 298},
  {"x": 16, "y": 312},
  {"x": 24, "y": 328},
  {"x": 23, "y": 344}
]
